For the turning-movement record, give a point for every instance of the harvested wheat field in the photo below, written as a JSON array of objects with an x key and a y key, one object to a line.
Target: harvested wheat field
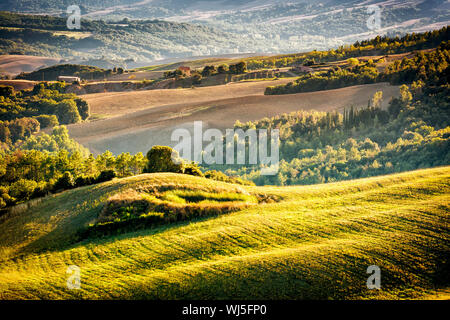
[
  {"x": 15, "y": 64},
  {"x": 118, "y": 103},
  {"x": 140, "y": 119}
]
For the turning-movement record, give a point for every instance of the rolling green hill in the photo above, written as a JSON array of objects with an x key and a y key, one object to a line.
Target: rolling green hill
[{"x": 308, "y": 242}]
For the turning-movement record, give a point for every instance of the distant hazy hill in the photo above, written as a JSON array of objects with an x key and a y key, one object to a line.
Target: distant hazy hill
[
  {"x": 172, "y": 5},
  {"x": 272, "y": 25},
  {"x": 136, "y": 40}
]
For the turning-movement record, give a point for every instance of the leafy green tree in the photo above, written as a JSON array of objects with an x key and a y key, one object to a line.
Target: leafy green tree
[
  {"x": 58, "y": 140},
  {"x": 5, "y": 198},
  {"x": 6, "y": 91},
  {"x": 238, "y": 68},
  {"x": 223, "y": 68},
  {"x": 137, "y": 163},
  {"x": 106, "y": 175},
  {"x": 105, "y": 161},
  {"x": 65, "y": 182},
  {"x": 377, "y": 99},
  {"x": 405, "y": 94},
  {"x": 193, "y": 169},
  {"x": 208, "y": 71},
  {"x": 22, "y": 189},
  {"x": 5, "y": 133},
  {"x": 23, "y": 128},
  {"x": 67, "y": 112},
  {"x": 353, "y": 62},
  {"x": 122, "y": 164},
  {"x": 197, "y": 78},
  {"x": 163, "y": 159},
  {"x": 83, "y": 108},
  {"x": 89, "y": 166},
  {"x": 46, "y": 120}
]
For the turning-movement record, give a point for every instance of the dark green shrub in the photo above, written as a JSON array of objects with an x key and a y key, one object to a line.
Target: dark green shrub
[
  {"x": 163, "y": 159},
  {"x": 6, "y": 91},
  {"x": 67, "y": 112},
  {"x": 193, "y": 169},
  {"x": 41, "y": 190},
  {"x": 46, "y": 120},
  {"x": 22, "y": 189},
  {"x": 220, "y": 176},
  {"x": 223, "y": 68},
  {"x": 83, "y": 108},
  {"x": 5, "y": 198},
  {"x": 65, "y": 182},
  {"x": 238, "y": 68},
  {"x": 106, "y": 175},
  {"x": 208, "y": 71},
  {"x": 197, "y": 78},
  {"x": 85, "y": 181}
]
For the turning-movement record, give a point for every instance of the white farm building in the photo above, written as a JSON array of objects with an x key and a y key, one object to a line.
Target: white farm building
[{"x": 68, "y": 79}]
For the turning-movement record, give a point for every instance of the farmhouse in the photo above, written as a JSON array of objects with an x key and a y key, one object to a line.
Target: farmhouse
[
  {"x": 185, "y": 70},
  {"x": 68, "y": 78}
]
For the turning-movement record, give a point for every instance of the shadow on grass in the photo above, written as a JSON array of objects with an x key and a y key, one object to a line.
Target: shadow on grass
[{"x": 51, "y": 242}]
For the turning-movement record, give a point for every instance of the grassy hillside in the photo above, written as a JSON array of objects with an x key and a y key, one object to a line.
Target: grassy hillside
[{"x": 313, "y": 242}]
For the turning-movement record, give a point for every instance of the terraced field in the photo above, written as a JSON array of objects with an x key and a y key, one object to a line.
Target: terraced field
[{"x": 312, "y": 242}]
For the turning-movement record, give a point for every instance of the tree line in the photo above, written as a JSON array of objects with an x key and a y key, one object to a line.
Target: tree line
[
  {"x": 25, "y": 112},
  {"x": 380, "y": 45},
  {"x": 52, "y": 163},
  {"x": 423, "y": 66},
  {"x": 82, "y": 71}
]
